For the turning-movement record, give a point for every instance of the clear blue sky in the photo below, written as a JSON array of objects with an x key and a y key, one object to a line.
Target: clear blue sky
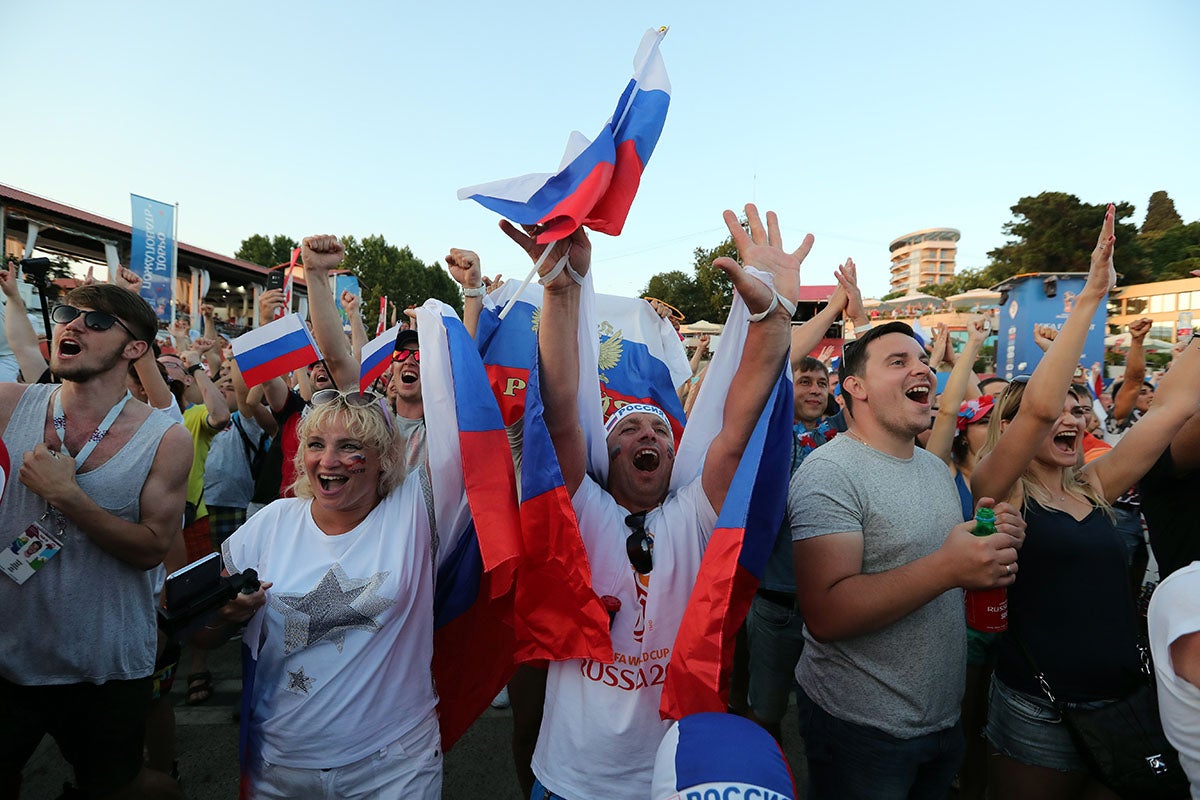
[{"x": 857, "y": 122}]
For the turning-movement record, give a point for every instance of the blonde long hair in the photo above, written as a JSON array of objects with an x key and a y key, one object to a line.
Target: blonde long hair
[
  {"x": 1005, "y": 410},
  {"x": 365, "y": 423}
]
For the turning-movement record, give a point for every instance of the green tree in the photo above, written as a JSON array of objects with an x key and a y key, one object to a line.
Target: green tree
[
  {"x": 680, "y": 290},
  {"x": 266, "y": 252},
  {"x": 708, "y": 294},
  {"x": 1056, "y": 232},
  {"x": 1161, "y": 214},
  {"x": 385, "y": 269},
  {"x": 1173, "y": 253}
]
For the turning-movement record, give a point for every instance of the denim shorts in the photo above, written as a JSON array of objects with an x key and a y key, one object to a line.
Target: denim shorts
[{"x": 1027, "y": 728}]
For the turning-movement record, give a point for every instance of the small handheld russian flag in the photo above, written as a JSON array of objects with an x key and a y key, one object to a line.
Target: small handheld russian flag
[
  {"x": 275, "y": 349},
  {"x": 377, "y": 357},
  {"x": 596, "y": 180}
]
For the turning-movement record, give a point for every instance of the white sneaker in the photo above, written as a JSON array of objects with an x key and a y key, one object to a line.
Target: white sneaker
[{"x": 501, "y": 700}]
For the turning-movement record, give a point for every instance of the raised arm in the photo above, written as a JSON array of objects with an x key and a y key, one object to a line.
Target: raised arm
[
  {"x": 955, "y": 392},
  {"x": 352, "y": 303},
  {"x": 21, "y": 336},
  {"x": 1176, "y": 401},
  {"x": 767, "y": 340},
  {"x": 1042, "y": 403},
  {"x": 320, "y": 255},
  {"x": 558, "y": 346},
  {"x": 251, "y": 404},
  {"x": 806, "y": 336},
  {"x": 1135, "y": 371},
  {"x": 464, "y": 267}
]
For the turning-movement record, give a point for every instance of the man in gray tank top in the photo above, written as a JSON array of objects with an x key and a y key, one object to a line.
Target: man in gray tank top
[
  {"x": 108, "y": 478},
  {"x": 880, "y": 552}
]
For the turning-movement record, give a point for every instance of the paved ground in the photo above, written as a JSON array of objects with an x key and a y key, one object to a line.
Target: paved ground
[{"x": 479, "y": 766}]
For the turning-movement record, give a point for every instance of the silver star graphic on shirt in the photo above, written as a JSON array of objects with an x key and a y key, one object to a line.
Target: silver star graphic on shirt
[
  {"x": 299, "y": 683},
  {"x": 337, "y": 604}
]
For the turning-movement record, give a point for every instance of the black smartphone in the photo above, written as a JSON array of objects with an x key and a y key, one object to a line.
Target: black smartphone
[
  {"x": 275, "y": 279},
  {"x": 193, "y": 581}
]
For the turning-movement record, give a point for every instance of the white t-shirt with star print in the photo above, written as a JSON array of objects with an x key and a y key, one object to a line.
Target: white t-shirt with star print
[{"x": 345, "y": 666}]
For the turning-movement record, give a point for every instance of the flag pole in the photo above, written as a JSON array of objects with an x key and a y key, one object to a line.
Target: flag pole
[
  {"x": 517, "y": 295},
  {"x": 174, "y": 260}
]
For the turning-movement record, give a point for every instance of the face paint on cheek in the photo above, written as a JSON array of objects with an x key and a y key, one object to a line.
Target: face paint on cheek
[{"x": 359, "y": 462}]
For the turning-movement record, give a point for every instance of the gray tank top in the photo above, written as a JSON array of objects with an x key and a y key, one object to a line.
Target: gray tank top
[{"x": 86, "y": 616}]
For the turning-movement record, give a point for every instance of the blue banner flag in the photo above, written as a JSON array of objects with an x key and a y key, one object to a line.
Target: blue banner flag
[{"x": 152, "y": 253}]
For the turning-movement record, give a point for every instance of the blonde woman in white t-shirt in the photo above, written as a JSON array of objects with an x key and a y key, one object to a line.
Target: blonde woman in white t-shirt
[{"x": 343, "y": 702}]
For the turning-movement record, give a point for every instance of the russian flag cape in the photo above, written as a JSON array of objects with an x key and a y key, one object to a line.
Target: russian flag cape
[
  {"x": 558, "y": 616},
  {"x": 478, "y": 535},
  {"x": 737, "y": 552},
  {"x": 596, "y": 181},
  {"x": 274, "y": 349}
]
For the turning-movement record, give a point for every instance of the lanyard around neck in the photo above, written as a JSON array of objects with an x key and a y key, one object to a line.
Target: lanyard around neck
[{"x": 60, "y": 427}]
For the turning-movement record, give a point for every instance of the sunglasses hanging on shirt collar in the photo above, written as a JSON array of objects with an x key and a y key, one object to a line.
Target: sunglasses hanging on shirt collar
[{"x": 639, "y": 545}]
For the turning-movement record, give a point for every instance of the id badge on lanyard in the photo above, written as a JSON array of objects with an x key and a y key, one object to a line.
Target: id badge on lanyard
[{"x": 36, "y": 545}]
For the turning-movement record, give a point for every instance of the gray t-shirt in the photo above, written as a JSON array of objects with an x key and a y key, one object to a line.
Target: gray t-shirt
[{"x": 906, "y": 679}]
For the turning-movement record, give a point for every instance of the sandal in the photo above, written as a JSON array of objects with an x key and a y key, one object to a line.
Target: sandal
[{"x": 199, "y": 688}]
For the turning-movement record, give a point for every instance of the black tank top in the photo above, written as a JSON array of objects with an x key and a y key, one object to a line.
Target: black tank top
[{"x": 1072, "y": 608}]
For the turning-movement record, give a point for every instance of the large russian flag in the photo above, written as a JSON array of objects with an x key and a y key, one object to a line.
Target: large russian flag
[
  {"x": 639, "y": 356},
  {"x": 377, "y": 357},
  {"x": 737, "y": 552},
  {"x": 596, "y": 181},
  {"x": 557, "y": 615},
  {"x": 275, "y": 349},
  {"x": 473, "y": 642}
]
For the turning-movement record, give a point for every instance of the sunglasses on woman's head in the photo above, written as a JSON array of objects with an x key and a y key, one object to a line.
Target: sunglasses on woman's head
[
  {"x": 356, "y": 399},
  {"x": 93, "y": 320},
  {"x": 402, "y": 355}
]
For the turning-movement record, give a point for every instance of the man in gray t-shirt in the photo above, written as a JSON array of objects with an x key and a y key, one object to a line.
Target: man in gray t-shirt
[{"x": 879, "y": 565}]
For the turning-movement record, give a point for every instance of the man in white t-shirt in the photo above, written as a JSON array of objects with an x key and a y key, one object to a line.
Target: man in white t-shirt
[
  {"x": 1174, "y": 619},
  {"x": 601, "y": 725}
]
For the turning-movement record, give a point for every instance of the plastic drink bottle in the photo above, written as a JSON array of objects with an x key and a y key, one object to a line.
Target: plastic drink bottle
[{"x": 987, "y": 609}]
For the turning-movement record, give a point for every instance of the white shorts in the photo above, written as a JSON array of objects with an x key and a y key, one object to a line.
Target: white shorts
[{"x": 410, "y": 767}]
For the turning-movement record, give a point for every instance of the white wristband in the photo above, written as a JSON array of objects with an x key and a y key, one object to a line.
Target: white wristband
[
  {"x": 475, "y": 291},
  {"x": 776, "y": 300}
]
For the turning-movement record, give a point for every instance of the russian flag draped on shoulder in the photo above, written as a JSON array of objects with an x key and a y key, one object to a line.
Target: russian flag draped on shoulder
[
  {"x": 275, "y": 349},
  {"x": 744, "y": 534},
  {"x": 558, "y": 616},
  {"x": 478, "y": 552},
  {"x": 597, "y": 180}
]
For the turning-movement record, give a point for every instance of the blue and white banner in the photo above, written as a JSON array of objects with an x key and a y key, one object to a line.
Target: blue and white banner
[{"x": 152, "y": 253}]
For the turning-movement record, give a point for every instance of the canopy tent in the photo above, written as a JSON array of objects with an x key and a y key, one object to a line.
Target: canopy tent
[
  {"x": 1122, "y": 341},
  {"x": 974, "y": 297},
  {"x": 911, "y": 296},
  {"x": 703, "y": 326}
]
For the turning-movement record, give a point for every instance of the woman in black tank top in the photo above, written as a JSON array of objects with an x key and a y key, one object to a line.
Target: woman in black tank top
[{"x": 1070, "y": 605}]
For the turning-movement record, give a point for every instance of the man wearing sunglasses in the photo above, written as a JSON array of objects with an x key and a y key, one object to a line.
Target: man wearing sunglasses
[
  {"x": 404, "y": 395},
  {"x": 108, "y": 477},
  {"x": 601, "y": 724}
]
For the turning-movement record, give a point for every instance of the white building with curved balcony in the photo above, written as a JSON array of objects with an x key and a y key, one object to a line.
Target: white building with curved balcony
[{"x": 923, "y": 257}]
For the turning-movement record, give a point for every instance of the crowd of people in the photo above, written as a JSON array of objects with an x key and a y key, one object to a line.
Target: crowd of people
[{"x": 133, "y": 455}]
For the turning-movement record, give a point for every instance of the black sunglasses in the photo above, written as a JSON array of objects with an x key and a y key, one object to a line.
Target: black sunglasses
[
  {"x": 639, "y": 546},
  {"x": 94, "y": 320},
  {"x": 356, "y": 399}
]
